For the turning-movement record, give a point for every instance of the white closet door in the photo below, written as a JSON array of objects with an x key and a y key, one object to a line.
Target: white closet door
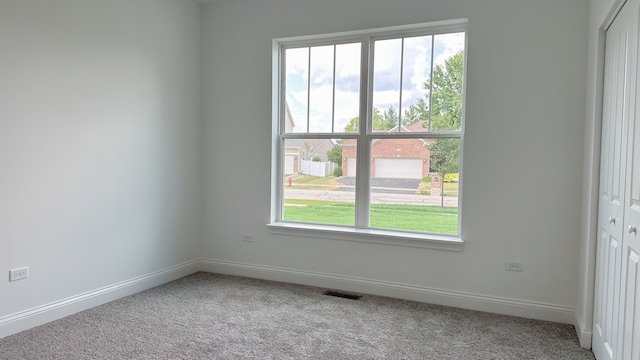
[
  {"x": 630, "y": 276},
  {"x": 620, "y": 63}
]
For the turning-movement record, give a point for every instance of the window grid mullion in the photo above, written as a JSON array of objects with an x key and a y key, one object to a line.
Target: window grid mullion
[
  {"x": 431, "y": 81},
  {"x": 333, "y": 100},
  {"x": 401, "y": 85},
  {"x": 363, "y": 148},
  {"x": 308, "y": 89},
  {"x": 280, "y": 154},
  {"x": 280, "y": 188},
  {"x": 416, "y": 135}
]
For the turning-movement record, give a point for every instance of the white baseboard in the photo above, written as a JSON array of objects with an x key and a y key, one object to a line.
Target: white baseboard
[
  {"x": 24, "y": 320},
  {"x": 493, "y": 304},
  {"x": 584, "y": 334}
]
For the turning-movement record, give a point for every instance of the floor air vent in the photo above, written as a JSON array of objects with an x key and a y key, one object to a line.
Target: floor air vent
[{"x": 342, "y": 295}]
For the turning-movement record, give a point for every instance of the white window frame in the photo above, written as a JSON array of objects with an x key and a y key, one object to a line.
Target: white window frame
[{"x": 361, "y": 232}]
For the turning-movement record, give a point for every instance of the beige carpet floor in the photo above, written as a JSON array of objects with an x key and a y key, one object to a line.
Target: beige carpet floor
[{"x": 210, "y": 316}]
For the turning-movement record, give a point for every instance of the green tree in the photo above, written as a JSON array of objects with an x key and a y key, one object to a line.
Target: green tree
[
  {"x": 445, "y": 159},
  {"x": 389, "y": 119},
  {"x": 335, "y": 154},
  {"x": 379, "y": 122},
  {"x": 416, "y": 112},
  {"x": 446, "y": 94},
  {"x": 353, "y": 125},
  {"x": 446, "y": 97},
  {"x": 445, "y": 102},
  {"x": 446, "y": 114}
]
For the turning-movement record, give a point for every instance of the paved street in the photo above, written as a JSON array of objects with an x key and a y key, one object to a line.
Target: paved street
[
  {"x": 384, "y": 185},
  {"x": 376, "y": 198}
]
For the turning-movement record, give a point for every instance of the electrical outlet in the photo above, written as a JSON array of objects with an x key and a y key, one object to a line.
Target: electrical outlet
[
  {"x": 247, "y": 238},
  {"x": 18, "y": 274},
  {"x": 513, "y": 266}
]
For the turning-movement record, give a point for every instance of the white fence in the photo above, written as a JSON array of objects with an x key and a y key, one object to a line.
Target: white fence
[{"x": 317, "y": 168}]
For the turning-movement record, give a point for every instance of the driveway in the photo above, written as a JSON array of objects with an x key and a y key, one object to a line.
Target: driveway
[{"x": 383, "y": 185}]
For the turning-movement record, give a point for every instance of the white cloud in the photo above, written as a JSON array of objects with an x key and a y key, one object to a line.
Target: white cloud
[
  {"x": 346, "y": 108},
  {"x": 297, "y": 61},
  {"x": 387, "y": 55},
  {"x": 347, "y": 60},
  {"x": 447, "y": 45},
  {"x": 386, "y": 99}
]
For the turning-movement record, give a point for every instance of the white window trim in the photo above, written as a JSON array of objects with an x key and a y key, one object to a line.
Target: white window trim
[
  {"x": 349, "y": 233},
  {"x": 376, "y": 236}
]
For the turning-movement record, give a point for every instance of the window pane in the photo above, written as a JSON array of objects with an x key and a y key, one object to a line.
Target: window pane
[
  {"x": 321, "y": 89},
  {"x": 386, "y": 84},
  {"x": 407, "y": 187},
  {"x": 314, "y": 189},
  {"x": 296, "y": 86},
  {"x": 446, "y": 82},
  {"x": 416, "y": 71},
  {"x": 414, "y": 87},
  {"x": 346, "y": 107}
]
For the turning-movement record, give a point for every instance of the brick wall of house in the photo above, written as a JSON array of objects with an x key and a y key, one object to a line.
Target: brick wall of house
[{"x": 391, "y": 149}]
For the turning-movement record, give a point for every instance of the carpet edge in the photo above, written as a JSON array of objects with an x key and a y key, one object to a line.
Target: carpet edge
[
  {"x": 39, "y": 315},
  {"x": 492, "y": 304}
]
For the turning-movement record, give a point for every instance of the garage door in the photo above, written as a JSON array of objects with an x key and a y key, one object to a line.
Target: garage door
[
  {"x": 289, "y": 160},
  {"x": 351, "y": 166},
  {"x": 399, "y": 168}
]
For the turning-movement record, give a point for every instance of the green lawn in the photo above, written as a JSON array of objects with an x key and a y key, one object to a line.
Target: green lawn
[
  {"x": 308, "y": 182},
  {"x": 433, "y": 219}
]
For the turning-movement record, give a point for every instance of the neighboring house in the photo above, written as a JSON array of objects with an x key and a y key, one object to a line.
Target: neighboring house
[
  {"x": 307, "y": 149},
  {"x": 288, "y": 119},
  {"x": 392, "y": 158},
  {"x": 291, "y": 157},
  {"x": 298, "y": 150}
]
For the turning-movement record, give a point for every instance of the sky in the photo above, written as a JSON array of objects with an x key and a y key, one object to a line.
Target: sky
[{"x": 398, "y": 78}]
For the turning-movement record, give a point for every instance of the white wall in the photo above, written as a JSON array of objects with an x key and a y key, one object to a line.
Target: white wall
[
  {"x": 101, "y": 154},
  {"x": 523, "y": 152},
  {"x": 100, "y": 149},
  {"x": 600, "y": 12}
]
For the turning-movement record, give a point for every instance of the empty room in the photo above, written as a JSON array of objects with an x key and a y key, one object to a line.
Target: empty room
[{"x": 290, "y": 179}]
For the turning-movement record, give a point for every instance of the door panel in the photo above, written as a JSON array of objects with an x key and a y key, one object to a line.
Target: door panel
[
  {"x": 630, "y": 307},
  {"x": 600, "y": 296},
  {"x": 631, "y": 311},
  {"x": 613, "y": 260},
  {"x": 612, "y": 300}
]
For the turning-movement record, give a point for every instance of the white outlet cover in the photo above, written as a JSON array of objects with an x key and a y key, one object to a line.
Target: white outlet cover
[
  {"x": 18, "y": 274},
  {"x": 247, "y": 237},
  {"x": 513, "y": 266}
]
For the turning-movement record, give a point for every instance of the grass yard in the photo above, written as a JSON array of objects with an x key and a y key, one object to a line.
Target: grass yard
[
  {"x": 432, "y": 219},
  {"x": 308, "y": 182}
]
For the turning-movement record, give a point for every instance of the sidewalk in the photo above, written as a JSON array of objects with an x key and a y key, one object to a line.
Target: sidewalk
[{"x": 376, "y": 198}]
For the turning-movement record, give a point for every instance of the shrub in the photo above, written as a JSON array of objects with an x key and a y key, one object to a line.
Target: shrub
[
  {"x": 453, "y": 177},
  {"x": 337, "y": 172},
  {"x": 316, "y": 159},
  {"x": 426, "y": 179}
]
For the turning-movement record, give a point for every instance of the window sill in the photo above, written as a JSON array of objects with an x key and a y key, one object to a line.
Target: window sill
[{"x": 376, "y": 236}]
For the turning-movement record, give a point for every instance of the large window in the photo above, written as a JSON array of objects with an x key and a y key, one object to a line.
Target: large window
[{"x": 368, "y": 131}]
